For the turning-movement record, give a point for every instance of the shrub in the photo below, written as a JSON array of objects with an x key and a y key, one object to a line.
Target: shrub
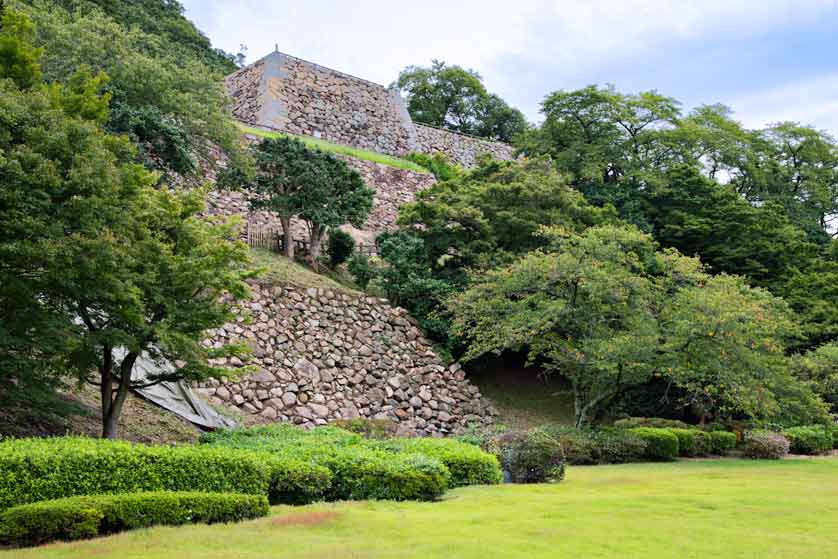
[
  {"x": 80, "y": 517},
  {"x": 661, "y": 444},
  {"x": 692, "y": 442},
  {"x": 602, "y": 446},
  {"x": 358, "y": 470},
  {"x": 376, "y": 429},
  {"x": 468, "y": 464},
  {"x": 41, "y": 469},
  {"x": 809, "y": 439},
  {"x": 722, "y": 442},
  {"x": 362, "y": 270},
  {"x": 765, "y": 444},
  {"x": 653, "y": 422},
  {"x": 340, "y": 248},
  {"x": 529, "y": 456}
]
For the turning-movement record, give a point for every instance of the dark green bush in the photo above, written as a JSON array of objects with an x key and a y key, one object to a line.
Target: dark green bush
[
  {"x": 362, "y": 270},
  {"x": 722, "y": 442},
  {"x": 468, "y": 464},
  {"x": 340, "y": 248},
  {"x": 600, "y": 446},
  {"x": 359, "y": 470},
  {"x": 765, "y": 444},
  {"x": 653, "y": 422},
  {"x": 41, "y": 469},
  {"x": 661, "y": 444},
  {"x": 809, "y": 439},
  {"x": 80, "y": 517},
  {"x": 529, "y": 456},
  {"x": 692, "y": 442},
  {"x": 438, "y": 164}
]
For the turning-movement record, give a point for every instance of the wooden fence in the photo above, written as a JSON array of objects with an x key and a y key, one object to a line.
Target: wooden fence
[{"x": 271, "y": 238}]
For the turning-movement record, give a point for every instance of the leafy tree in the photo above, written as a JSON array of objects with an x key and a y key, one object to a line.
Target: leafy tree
[
  {"x": 819, "y": 367},
  {"x": 295, "y": 181},
  {"x": 493, "y": 213},
  {"x": 98, "y": 267},
  {"x": 608, "y": 312},
  {"x": 455, "y": 98},
  {"x": 700, "y": 217},
  {"x": 18, "y": 56},
  {"x": 341, "y": 246},
  {"x": 178, "y": 110}
]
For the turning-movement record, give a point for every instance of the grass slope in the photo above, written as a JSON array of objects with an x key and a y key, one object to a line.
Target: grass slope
[
  {"x": 340, "y": 149},
  {"x": 699, "y": 509},
  {"x": 281, "y": 270}
]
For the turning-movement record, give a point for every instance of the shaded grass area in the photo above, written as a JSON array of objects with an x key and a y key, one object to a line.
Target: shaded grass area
[
  {"x": 340, "y": 149},
  {"x": 708, "y": 509},
  {"x": 75, "y": 411},
  {"x": 523, "y": 398},
  {"x": 281, "y": 270}
]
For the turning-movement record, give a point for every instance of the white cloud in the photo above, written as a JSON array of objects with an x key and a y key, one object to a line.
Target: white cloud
[
  {"x": 523, "y": 49},
  {"x": 809, "y": 102}
]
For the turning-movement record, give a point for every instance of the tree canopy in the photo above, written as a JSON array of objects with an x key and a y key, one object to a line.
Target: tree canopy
[{"x": 455, "y": 98}]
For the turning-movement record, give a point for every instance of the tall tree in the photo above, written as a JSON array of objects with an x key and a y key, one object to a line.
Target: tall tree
[
  {"x": 316, "y": 187},
  {"x": 99, "y": 267},
  {"x": 455, "y": 98}
]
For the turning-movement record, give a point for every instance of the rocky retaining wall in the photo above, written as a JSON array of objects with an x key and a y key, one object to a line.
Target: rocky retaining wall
[
  {"x": 323, "y": 355},
  {"x": 393, "y": 187},
  {"x": 461, "y": 149}
]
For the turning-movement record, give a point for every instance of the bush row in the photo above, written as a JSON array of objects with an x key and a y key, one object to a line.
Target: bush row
[
  {"x": 88, "y": 516},
  {"x": 368, "y": 469},
  {"x": 809, "y": 439}
]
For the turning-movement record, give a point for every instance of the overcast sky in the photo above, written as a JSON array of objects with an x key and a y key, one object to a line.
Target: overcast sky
[{"x": 770, "y": 60}]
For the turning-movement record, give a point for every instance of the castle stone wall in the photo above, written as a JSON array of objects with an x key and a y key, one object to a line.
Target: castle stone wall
[
  {"x": 322, "y": 355},
  {"x": 459, "y": 148}
]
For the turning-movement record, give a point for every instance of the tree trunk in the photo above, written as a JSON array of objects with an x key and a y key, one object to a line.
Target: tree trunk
[
  {"x": 287, "y": 237},
  {"x": 315, "y": 240},
  {"x": 112, "y": 403}
]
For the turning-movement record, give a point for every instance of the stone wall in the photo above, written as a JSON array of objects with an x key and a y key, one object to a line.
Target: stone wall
[
  {"x": 299, "y": 97},
  {"x": 459, "y": 148},
  {"x": 393, "y": 187},
  {"x": 322, "y": 355},
  {"x": 291, "y": 95}
]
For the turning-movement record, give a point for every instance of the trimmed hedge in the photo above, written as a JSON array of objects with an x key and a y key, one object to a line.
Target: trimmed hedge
[
  {"x": 359, "y": 470},
  {"x": 722, "y": 442},
  {"x": 809, "y": 439},
  {"x": 81, "y": 517},
  {"x": 41, "y": 469},
  {"x": 652, "y": 422},
  {"x": 765, "y": 445},
  {"x": 661, "y": 444},
  {"x": 467, "y": 463},
  {"x": 532, "y": 456},
  {"x": 600, "y": 446},
  {"x": 692, "y": 442}
]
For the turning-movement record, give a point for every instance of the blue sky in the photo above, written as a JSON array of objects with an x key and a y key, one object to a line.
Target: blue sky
[{"x": 770, "y": 60}]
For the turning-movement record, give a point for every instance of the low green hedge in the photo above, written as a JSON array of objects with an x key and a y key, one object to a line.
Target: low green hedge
[
  {"x": 693, "y": 442},
  {"x": 359, "y": 469},
  {"x": 88, "y": 516},
  {"x": 468, "y": 464},
  {"x": 722, "y": 442},
  {"x": 651, "y": 422},
  {"x": 40, "y": 469},
  {"x": 809, "y": 439},
  {"x": 598, "y": 446},
  {"x": 661, "y": 444}
]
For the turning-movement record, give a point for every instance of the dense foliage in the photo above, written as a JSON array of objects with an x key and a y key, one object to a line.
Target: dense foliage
[
  {"x": 76, "y": 518},
  {"x": 295, "y": 181},
  {"x": 532, "y": 456},
  {"x": 370, "y": 469},
  {"x": 809, "y": 439},
  {"x": 661, "y": 444},
  {"x": 455, "y": 98},
  {"x": 340, "y": 247},
  {"x": 164, "y": 79}
]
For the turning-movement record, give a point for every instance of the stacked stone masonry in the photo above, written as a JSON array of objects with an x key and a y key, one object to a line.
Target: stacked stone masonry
[
  {"x": 393, "y": 188},
  {"x": 322, "y": 355},
  {"x": 291, "y": 95}
]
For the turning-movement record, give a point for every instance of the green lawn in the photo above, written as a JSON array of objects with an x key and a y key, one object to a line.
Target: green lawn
[
  {"x": 700, "y": 509},
  {"x": 340, "y": 149}
]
